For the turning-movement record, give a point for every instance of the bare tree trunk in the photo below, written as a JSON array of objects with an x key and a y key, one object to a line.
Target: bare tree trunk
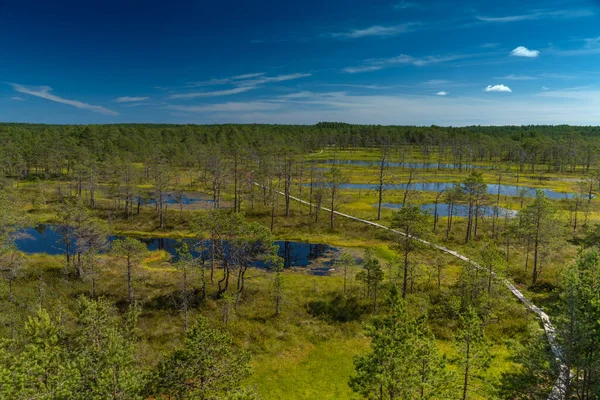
[
  {"x": 381, "y": 185},
  {"x": 129, "y": 282},
  {"x": 332, "y": 214},
  {"x": 410, "y": 179},
  {"x": 466, "y": 373}
]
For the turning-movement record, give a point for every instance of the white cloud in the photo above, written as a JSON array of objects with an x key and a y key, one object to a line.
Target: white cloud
[
  {"x": 514, "y": 77},
  {"x": 17, "y": 98},
  {"x": 44, "y": 93},
  {"x": 128, "y": 99},
  {"x": 523, "y": 51},
  {"x": 377, "y": 30},
  {"x": 544, "y": 88},
  {"x": 442, "y": 93},
  {"x": 538, "y": 14},
  {"x": 497, "y": 88}
]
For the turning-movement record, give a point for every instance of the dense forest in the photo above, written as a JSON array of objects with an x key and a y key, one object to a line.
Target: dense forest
[
  {"x": 98, "y": 313},
  {"x": 48, "y": 147}
]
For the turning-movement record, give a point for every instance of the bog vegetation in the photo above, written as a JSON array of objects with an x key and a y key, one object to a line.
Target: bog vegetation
[{"x": 225, "y": 316}]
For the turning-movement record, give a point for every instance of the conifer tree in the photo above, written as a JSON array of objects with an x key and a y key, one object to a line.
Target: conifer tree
[
  {"x": 404, "y": 362},
  {"x": 208, "y": 366}
]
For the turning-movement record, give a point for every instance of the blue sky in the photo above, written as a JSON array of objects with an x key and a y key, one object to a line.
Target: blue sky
[{"x": 372, "y": 62}]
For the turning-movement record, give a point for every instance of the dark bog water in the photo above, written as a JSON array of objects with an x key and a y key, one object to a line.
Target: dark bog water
[
  {"x": 459, "y": 210},
  {"x": 415, "y": 165},
  {"x": 492, "y": 189},
  {"x": 46, "y": 239},
  {"x": 186, "y": 199}
]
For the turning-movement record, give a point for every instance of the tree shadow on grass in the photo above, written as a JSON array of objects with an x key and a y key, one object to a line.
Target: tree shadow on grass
[{"x": 338, "y": 308}]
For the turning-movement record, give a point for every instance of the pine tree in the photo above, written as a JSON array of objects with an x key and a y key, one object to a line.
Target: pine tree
[
  {"x": 105, "y": 352},
  {"x": 40, "y": 368},
  {"x": 133, "y": 250},
  {"x": 207, "y": 367},
  {"x": 579, "y": 325},
  {"x": 275, "y": 264},
  {"x": 411, "y": 221},
  {"x": 335, "y": 178},
  {"x": 404, "y": 362},
  {"x": 540, "y": 226},
  {"x": 347, "y": 263},
  {"x": 185, "y": 265},
  {"x": 474, "y": 191},
  {"x": 473, "y": 350},
  {"x": 371, "y": 275}
]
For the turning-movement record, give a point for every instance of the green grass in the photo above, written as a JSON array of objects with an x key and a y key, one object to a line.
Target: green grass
[
  {"x": 296, "y": 355},
  {"x": 309, "y": 371}
]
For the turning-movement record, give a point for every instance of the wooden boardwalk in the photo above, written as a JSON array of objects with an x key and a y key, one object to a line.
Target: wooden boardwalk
[{"x": 560, "y": 386}]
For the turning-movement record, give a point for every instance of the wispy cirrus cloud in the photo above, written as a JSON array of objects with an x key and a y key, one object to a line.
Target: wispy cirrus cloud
[
  {"x": 497, "y": 88},
  {"x": 129, "y": 99},
  {"x": 272, "y": 79},
  {"x": 435, "y": 82},
  {"x": 584, "y": 93},
  {"x": 241, "y": 83},
  {"x": 403, "y": 5},
  {"x": 513, "y": 77},
  {"x": 553, "y": 75},
  {"x": 592, "y": 42},
  {"x": 215, "y": 93},
  {"x": 367, "y": 68},
  {"x": 404, "y": 59},
  {"x": 523, "y": 51},
  {"x": 591, "y": 46},
  {"x": 225, "y": 81},
  {"x": 227, "y": 107},
  {"x": 489, "y": 45},
  {"x": 44, "y": 93},
  {"x": 17, "y": 98},
  {"x": 297, "y": 95},
  {"x": 359, "y": 86},
  {"x": 248, "y": 76},
  {"x": 441, "y": 83},
  {"x": 537, "y": 14},
  {"x": 377, "y": 30},
  {"x": 411, "y": 110}
]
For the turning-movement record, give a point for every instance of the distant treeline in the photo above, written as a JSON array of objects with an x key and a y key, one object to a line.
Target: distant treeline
[{"x": 27, "y": 147}]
